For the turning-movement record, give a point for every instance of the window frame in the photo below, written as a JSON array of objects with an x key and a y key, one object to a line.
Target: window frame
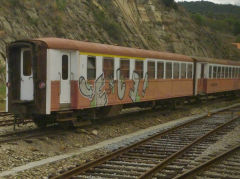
[
  {"x": 178, "y": 63},
  {"x": 95, "y": 73},
  {"x": 154, "y": 62},
  {"x": 188, "y": 64},
  {"x": 113, "y": 69},
  {"x": 23, "y": 64},
  {"x": 164, "y": 68},
  {"x": 141, "y": 76},
  {"x": 121, "y": 60}
]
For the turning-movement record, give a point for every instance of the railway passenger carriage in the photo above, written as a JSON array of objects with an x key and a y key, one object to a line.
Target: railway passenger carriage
[{"x": 50, "y": 76}]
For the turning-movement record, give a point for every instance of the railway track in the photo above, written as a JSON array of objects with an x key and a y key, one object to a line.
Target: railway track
[
  {"x": 28, "y": 134},
  {"x": 3, "y": 114},
  {"x": 164, "y": 155},
  {"x": 224, "y": 165}
]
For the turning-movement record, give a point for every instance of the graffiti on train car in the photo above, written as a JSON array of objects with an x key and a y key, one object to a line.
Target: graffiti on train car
[
  {"x": 134, "y": 91},
  {"x": 121, "y": 85},
  {"x": 95, "y": 94},
  {"x": 98, "y": 95}
]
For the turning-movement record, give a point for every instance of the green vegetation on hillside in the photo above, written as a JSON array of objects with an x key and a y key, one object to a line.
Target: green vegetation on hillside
[{"x": 222, "y": 18}]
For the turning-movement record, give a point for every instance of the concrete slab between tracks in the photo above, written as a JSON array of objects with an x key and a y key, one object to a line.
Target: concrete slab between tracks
[{"x": 114, "y": 143}]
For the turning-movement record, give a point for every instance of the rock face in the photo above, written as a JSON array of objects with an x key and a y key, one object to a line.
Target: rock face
[{"x": 147, "y": 24}]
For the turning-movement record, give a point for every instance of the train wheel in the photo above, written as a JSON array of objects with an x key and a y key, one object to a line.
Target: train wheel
[{"x": 40, "y": 121}]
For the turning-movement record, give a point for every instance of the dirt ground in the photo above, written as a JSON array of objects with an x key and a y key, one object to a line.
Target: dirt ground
[{"x": 21, "y": 152}]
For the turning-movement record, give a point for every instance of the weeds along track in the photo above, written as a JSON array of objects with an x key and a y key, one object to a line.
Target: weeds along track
[{"x": 163, "y": 155}]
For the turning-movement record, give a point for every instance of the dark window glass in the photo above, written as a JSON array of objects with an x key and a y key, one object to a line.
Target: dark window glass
[
  {"x": 139, "y": 68},
  {"x": 236, "y": 72},
  {"x": 151, "y": 70},
  {"x": 124, "y": 69},
  {"x": 225, "y": 72},
  {"x": 64, "y": 67},
  {"x": 214, "y": 72},
  {"x": 231, "y": 72},
  {"x": 168, "y": 70},
  {"x": 160, "y": 70},
  {"x": 210, "y": 72},
  {"x": 218, "y": 72},
  {"x": 183, "y": 70},
  {"x": 222, "y": 72},
  {"x": 176, "y": 71},
  {"x": 27, "y": 63},
  {"x": 190, "y": 71},
  {"x": 108, "y": 68},
  {"x": 91, "y": 68}
]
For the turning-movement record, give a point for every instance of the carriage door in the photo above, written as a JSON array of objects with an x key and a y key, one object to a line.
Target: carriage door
[
  {"x": 202, "y": 80},
  {"x": 26, "y": 92},
  {"x": 65, "y": 79}
]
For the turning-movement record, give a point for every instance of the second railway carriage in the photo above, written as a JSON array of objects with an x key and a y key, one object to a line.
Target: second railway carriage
[{"x": 48, "y": 77}]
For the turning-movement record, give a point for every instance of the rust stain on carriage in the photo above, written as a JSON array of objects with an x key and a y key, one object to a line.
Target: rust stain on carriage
[
  {"x": 55, "y": 95},
  {"x": 157, "y": 89}
]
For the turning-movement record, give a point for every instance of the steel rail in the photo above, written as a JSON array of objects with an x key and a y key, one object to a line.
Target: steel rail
[
  {"x": 117, "y": 153},
  {"x": 164, "y": 163},
  {"x": 203, "y": 166}
]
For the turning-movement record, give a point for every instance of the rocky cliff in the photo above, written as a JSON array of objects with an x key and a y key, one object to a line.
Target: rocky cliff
[{"x": 145, "y": 24}]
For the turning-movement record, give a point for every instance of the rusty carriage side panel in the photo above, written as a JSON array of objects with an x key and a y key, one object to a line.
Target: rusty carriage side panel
[
  {"x": 87, "y": 94},
  {"x": 13, "y": 57},
  {"x": 221, "y": 85},
  {"x": 40, "y": 66},
  {"x": 38, "y": 50}
]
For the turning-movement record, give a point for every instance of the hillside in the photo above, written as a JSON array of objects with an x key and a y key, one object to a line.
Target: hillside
[
  {"x": 207, "y": 8},
  {"x": 218, "y": 17},
  {"x": 147, "y": 24}
]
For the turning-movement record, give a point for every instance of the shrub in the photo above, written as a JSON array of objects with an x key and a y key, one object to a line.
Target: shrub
[
  {"x": 198, "y": 19},
  {"x": 238, "y": 39},
  {"x": 61, "y": 4}
]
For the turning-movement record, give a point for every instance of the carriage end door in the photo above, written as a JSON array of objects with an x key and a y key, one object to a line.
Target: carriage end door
[
  {"x": 65, "y": 88},
  {"x": 26, "y": 91}
]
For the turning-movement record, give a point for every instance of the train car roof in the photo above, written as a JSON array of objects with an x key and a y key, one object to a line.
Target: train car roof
[
  {"x": 89, "y": 47},
  {"x": 216, "y": 61}
]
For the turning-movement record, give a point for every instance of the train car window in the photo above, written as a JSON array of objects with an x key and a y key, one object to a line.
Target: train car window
[
  {"x": 151, "y": 70},
  {"x": 229, "y": 72},
  {"x": 233, "y": 73},
  {"x": 168, "y": 70},
  {"x": 64, "y": 67},
  {"x": 139, "y": 68},
  {"x": 91, "y": 68},
  {"x": 183, "y": 70},
  {"x": 160, "y": 70},
  {"x": 108, "y": 68},
  {"x": 218, "y": 72},
  {"x": 210, "y": 72},
  {"x": 236, "y": 72},
  {"x": 176, "y": 71},
  {"x": 189, "y": 71},
  {"x": 226, "y": 72},
  {"x": 214, "y": 72},
  {"x": 222, "y": 72},
  {"x": 27, "y": 63},
  {"x": 124, "y": 68}
]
